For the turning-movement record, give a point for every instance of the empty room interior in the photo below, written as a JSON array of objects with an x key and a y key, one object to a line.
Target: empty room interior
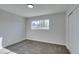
[{"x": 39, "y": 29}]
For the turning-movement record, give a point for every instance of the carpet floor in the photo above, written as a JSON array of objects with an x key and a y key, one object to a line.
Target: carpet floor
[{"x": 35, "y": 47}]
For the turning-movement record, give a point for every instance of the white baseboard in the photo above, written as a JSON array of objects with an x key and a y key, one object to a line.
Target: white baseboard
[
  {"x": 68, "y": 48},
  {"x": 46, "y": 41},
  {"x": 14, "y": 43}
]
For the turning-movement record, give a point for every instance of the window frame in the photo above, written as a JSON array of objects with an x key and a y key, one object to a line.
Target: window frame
[{"x": 40, "y": 28}]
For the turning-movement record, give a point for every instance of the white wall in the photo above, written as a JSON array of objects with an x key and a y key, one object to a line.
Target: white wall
[
  {"x": 56, "y": 33},
  {"x": 12, "y": 28},
  {"x": 72, "y": 30}
]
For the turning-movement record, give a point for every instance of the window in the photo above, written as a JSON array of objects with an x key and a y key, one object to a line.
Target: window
[{"x": 40, "y": 24}]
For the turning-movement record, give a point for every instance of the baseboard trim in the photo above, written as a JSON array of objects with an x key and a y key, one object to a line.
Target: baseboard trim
[
  {"x": 33, "y": 40},
  {"x": 14, "y": 43},
  {"x": 68, "y": 49},
  {"x": 45, "y": 42}
]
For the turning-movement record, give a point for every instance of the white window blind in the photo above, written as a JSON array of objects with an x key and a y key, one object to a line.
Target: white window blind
[{"x": 40, "y": 24}]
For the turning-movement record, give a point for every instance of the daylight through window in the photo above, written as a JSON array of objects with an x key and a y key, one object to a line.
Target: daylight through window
[{"x": 40, "y": 24}]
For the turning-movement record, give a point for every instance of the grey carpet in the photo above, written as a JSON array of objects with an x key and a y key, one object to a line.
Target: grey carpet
[{"x": 35, "y": 47}]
